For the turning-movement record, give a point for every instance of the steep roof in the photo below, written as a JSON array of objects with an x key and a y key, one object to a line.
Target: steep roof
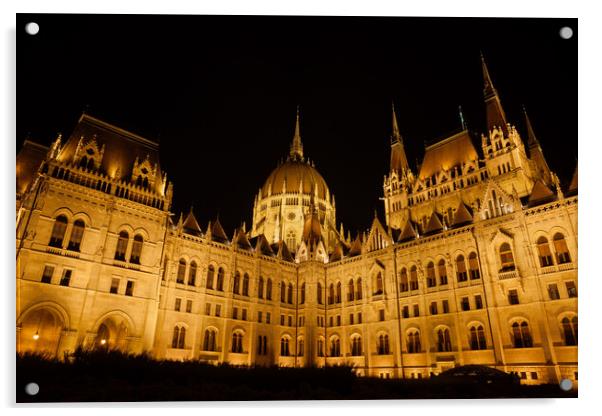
[
  {"x": 573, "y": 187},
  {"x": 191, "y": 225},
  {"x": 540, "y": 194},
  {"x": 463, "y": 215},
  {"x": 447, "y": 153},
  {"x": 434, "y": 225},
  {"x": 217, "y": 232},
  {"x": 408, "y": 232}
]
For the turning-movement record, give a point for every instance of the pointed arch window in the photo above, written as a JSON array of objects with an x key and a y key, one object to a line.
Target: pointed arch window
[
  {"x": 331, "y": 294},
  {"x": 521, "y": 335},
  {"x": 137, "y": 245},
  {"x": 245, "y": 285},
  {"x": 284, "y": 347},
  {"x": 122, "y": 245},
  {"x": 442, "y": 270},
  {"x": 237, "y": 342},
  {"x": 338, "y": 295},
  {"x": 210, "y": 276},
  {"x": 356, "y": 346},
  {"x": 236, "y": 283},
  {"x": 209, "y": 340},
  {"x": 192, "y": 274},
  {"x": 443, "y": 340},
  {"x": 569, "y": 330},
  {"x": 268, "y": 290},
  {"x": 301, "y": 348},
  {"x": 378, "y": 284},
  {"x": 77, "y": 233},
  {"x": 414, "y": 341},
  {"x": 382, "y": 347},
  {"x": 561, "y": 248},
  {"x": 260, "y": 288},
  {"x": 58, "y": 231},
  {"x": 413, "y": 278},
  {"x": 403, "y": 284},
  {"x": 179, "y": 337},
  {"x": 302, "y": 293},
  {"x": 289, "y": 297},
  {"x": 358, "y": 292},
  {"x": 320, "y": 348},
  {"x": 181, "y": 271},
  {"x": 473, "y": 266},
  {"x": 477, "y": 338},
  {"x": 431, "y": 279},
  {"x": 335, "y": 347},
  {"x": 461, "y": 269},
  {"x": 282, "y": 292},
  {"x": 220, "y": 279},
  {"x": 350, "y": 290},
  {"x": 319, "y": 293},
  {"x": 544, "y": 252},
  {"x": 506, "y": 258}
]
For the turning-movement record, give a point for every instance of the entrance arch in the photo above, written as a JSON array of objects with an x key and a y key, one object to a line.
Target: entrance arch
[{"x": 40, "y": 331}]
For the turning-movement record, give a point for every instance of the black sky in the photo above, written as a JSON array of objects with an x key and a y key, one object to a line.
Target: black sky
[{"x": 220, "y": 93}]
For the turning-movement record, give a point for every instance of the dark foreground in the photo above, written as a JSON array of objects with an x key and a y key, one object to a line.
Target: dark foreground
[{"x": 112, "y": 376}]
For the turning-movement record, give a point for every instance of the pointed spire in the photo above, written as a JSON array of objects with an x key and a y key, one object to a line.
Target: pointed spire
[
  {"x": 531, "y": 139},
  {"x": 399, "y": 161},
  {"x": 296, "y": 152},
  {"x": 462, "y": 122},
  {"x": 536, "y": 153},
  {"x": 495, "y": 113}
]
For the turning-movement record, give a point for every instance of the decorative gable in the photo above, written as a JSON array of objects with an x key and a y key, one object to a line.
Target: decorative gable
[
  {"x": 143, "y": 173},
  {"x": 87, "y": 153},
  {"x": 378, "y": 238},
  {"x": 496, "y": 202}
]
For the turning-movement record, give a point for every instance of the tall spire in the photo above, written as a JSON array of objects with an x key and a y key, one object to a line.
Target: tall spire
[
  {"x": 536, "y": 153},
  {"x": 399, "y": 161},
  {"x": 296, "y": 152},
  {"x": 495, "y": 113}
]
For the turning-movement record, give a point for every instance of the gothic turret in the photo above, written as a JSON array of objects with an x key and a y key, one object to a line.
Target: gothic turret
[
  {"x": 540, "y": 167},
  {"x": 496, "y": 118}
]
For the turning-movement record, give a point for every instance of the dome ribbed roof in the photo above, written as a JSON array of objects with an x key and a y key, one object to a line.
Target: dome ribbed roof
[{"x": 293, "y": 172}]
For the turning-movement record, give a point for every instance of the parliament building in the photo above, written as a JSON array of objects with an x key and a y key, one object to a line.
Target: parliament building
[{"x": 475, "y": 261}]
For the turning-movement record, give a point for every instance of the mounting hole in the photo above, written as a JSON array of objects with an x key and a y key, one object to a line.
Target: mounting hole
[
  {"x": 32, "y": 28},
  {"x": 566, "y": 32},
  {"x": 32, "y": 389},
  {"x": 566, "y": 384}
]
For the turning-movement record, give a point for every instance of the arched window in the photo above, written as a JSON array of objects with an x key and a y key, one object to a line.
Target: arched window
[
  {"x": 245, "y": 285},
  {"x": 268, "y": 290},
  {"x": 179, "y": 337},
  {"x": 413, "y": 341},
  {"x": 477, "y": 338},
  {"x": 302, "y": 293},
  {"x": 331, "y": 294},
  {"x": 220, "y": 279},
  {"x": 181, "y": 271},
  {"x": 350, "y": 290},
  {"x": 289, "y": 297},
  {"x": 383, "y": 345},
  {"x": 442, "y": 270},
  {"x": 358, "y": 285},
  {"x": 210, "y": 276},
  {"x": 300, "y": 348},
  {"x": 83, "y": 162},
  {"x": 431, "y": 279},
  {"x": 378, "y": 284},
  {"x": 209, "y": 340},
  {"x": 473, "y": 266},
  {"x": 122, "y": 245},
  {"x": 192, "y": 274},
  {"x": 284, "y": 347},
  {"x": 236, "y": 283},
  {"x": 319, "y": 290},
  {"x": 136, "y": 249},
  {"x": 237, "y": 342},
  {"x": 77, "y": 234},
  {"x": 569, "y": 329},
  {"x": 356, "y": 346},
  {"x": 282, "y": 292},
  {"x": 506, "y": 258},
  {"x": 260, "y": 288},
  {"x": 562, "y": 250},
  {"x": 335, "y": 347},
  {"x": 461, "y": 269},
  {"x": 403, "y": 280},
  {"x": 413, "y": 278},
  {"x": 338, "y": 296},
  {"x": 521, "y": 335},
  {"x": 545, "y": 255},
  {"x": 443, "y": 340},
  {"x": 320, "y": 348},
  {"x": 291, "y": 241}
]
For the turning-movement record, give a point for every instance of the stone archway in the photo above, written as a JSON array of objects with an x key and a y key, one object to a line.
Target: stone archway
[
  {"x": 112, "y": 334},
  {"x": 40, "y": 331}
]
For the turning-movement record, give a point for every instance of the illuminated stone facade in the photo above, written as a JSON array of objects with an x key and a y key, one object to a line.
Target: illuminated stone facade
[{"x": 476, "y": 262}]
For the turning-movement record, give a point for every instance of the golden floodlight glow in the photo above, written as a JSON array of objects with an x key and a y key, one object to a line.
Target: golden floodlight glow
[
  {"x": 103, "y": 341},
  {"x": 36, "y": 336}
]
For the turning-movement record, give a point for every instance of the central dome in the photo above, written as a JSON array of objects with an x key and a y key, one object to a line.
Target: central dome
[{"x": 295, "y": 176}]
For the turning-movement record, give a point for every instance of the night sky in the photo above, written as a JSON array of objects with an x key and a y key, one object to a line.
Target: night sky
[{"x": 220, "y": 92}]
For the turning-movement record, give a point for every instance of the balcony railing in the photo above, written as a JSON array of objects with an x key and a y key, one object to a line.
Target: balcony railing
[{"x": 507, "y": 275}]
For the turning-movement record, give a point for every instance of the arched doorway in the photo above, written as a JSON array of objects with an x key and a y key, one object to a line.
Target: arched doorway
[
  {"x": 40, "y": 332},
  {"x": 112, "y": 334}
]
